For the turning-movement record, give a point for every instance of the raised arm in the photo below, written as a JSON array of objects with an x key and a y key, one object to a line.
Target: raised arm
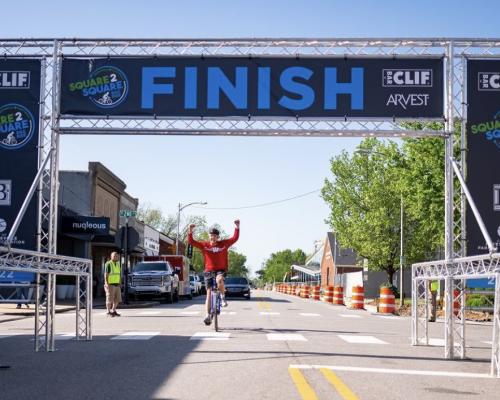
[
  {"x": 236, "y": 234},
  {"x": 191, "y": 240}
]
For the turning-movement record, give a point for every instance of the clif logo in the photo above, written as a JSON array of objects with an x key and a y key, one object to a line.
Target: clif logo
[
  {"x": 487, "y": 81},
  {"x": 407, "y": 77}
]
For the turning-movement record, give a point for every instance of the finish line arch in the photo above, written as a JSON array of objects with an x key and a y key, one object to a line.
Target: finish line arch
[{"x": 394, "y": 62}]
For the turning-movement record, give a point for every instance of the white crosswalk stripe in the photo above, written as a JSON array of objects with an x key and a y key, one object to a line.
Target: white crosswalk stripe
[
  {"x": 136, "y": 336},
  {"x": 210, "y": 336},
  {"x": 310, "y": 315},
  {"x": 360, "y": 339},
  {"x": 190, "y": 312},
  {"x": 269, "y": 313},
  {"x": 288, "y": 337},
  {"x": 349, "y": 316},
  {"x": 4, "y": 335}
]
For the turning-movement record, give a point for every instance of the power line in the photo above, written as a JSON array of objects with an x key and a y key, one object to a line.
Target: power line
[{"x": 261, "y": 204}]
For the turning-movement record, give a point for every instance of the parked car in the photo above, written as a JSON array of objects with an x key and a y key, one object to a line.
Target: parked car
[
  {"x": 202, "y": 281},
  {"x": 154, "y": 279},
  {"x": 195, "y": 284},
  {"x": 237, "y": 286}
]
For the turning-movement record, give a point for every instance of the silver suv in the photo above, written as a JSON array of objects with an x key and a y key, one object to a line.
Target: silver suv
[{"x": 152, "y": 279}]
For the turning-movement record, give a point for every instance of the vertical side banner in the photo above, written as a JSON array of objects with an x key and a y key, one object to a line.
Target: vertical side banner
[
  {"x": 19, "y": 134},
  {"x": 483, "y": 157}
]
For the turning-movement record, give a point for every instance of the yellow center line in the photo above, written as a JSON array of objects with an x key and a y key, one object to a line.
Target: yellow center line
[
  {"x": 341, "y": 387},
  {"x": 305, "y": 390}
]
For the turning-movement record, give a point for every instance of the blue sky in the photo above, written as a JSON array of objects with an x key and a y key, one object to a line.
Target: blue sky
[{"x": 234, "y": 172}]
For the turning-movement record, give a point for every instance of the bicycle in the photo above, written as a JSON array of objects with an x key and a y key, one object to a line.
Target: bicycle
[{"x": 215, "y": 303}]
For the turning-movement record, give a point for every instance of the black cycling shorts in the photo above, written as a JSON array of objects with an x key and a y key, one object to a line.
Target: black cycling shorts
[{"x": 210, "y": 275}]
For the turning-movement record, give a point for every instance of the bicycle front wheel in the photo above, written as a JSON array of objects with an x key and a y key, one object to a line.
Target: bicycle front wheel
[{"x": 216, "y": 304}]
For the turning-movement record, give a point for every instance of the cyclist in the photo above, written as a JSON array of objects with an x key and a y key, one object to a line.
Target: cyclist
[{"x": 215, "y": 256}]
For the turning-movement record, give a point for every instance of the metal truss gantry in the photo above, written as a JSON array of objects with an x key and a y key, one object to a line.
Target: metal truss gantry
[
  {"x": 454, "y": 273},
  {"x": 455, "y": 52},
  {"x": 47, "y": 267}
]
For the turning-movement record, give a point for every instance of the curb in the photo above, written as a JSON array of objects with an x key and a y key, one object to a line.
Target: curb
[{"x": 139, "y": 304}]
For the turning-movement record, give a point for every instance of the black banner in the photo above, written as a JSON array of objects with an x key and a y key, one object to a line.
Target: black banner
[
  {"x": 85, "y": 225},
  {"x": 483, "y": 156},
  {"x": 253, "y": 87},
  {"x": 19, "y": 133}
]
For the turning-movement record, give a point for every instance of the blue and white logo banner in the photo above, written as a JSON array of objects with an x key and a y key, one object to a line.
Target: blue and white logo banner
[
  {"x": 19, "y": 133},
  {"x": 224, "y": 87}
]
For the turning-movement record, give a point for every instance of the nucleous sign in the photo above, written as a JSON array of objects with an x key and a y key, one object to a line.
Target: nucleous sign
[
  {"x": 253, "y": 87},
  {"x": 483, "y": 157},
  {"x": 19, "y": 114}
]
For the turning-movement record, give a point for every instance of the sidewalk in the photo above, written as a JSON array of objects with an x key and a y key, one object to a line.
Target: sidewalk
[{"x": 9, "y": 312}]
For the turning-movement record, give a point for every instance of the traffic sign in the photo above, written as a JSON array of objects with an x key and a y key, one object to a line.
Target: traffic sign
[{"x": 128, "y": 213}]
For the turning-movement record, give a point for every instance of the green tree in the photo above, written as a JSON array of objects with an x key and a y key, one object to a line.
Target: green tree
[
  {"x": 365, "y": 196},
  {"x": 279, "y": 263},
  {"x": 237, "y": 264}
]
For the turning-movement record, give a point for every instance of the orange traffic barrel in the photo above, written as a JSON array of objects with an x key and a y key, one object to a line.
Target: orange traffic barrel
[
  {"x": 290, "y": 289},
  {"x": 305, "y": 292},
  {"x": 358, "y": 298},
  {"x": 316, "y": 292},
  {"x": 456, "y": 302},
  {"x": 298, "y": 289},
  {"x": 328, "y": 295},
  {"x": 338, "y": 295},
  {"x": 386, "y": 303}
]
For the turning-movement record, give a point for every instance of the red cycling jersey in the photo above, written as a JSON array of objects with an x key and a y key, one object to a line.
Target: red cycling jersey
[{"x": 215, "y": 255}]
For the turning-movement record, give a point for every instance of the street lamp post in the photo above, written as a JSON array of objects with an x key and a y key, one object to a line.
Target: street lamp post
[{"x": 180, "y": 208}]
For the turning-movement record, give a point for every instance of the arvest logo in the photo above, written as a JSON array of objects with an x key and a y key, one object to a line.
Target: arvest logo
[
  {"x": 15, "y": 79},
  {"x": 106, "y": 87},
  {"x": 17, "y": 125},
  {"x": 407, "y": 77},
  {"x": 488, "y": 81},
  {"x": 490, "y": 129}
]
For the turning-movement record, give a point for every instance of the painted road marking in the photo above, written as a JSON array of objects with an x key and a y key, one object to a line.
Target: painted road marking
[
  {"x": 191, "y": 312},
  {"x": 349, "y": 316},
  {"x": 269, "y": 313},
  {"x": 435, "y": 342},
  {"x": 305, "y": 390},
  {"x": 210, "y": 336},
  {"x": 306, "y": 314},
  {"x": 150, "y": 313},
  {"x": 64, "y": 336},
  {"x": 10, "y": 334},
  {"x": 393, "y": 371},
  {"x": 489, "y": 342},
  {"x": 135, "y": 336},
  {"x": 360, "y": 339},
  {"x": 337, "y": 383},
  {"x": 389, "y": 317},
  {"x": 289, "y": 337}
]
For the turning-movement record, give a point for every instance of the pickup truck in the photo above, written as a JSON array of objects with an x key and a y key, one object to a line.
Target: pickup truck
[
  {"x": 180, "y": 264},
  {"x": 154, "y": 279}
]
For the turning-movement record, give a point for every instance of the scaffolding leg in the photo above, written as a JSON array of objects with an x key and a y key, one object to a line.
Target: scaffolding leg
[
  {"x": 495, "y": 348},
  {"x": 414, "y": 310},
  {"x": 50, "y": 313},
  {"x": 84, "y": 308},
  {"x": 448, "y": 319}
]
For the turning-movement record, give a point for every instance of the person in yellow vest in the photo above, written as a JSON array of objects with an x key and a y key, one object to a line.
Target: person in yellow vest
[
  {"x": 433, "y": 289},
  {"x": 112, "y": 280}
]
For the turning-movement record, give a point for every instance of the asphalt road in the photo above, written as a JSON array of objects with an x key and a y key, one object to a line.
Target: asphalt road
[{"x": 274, "y": 346}]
